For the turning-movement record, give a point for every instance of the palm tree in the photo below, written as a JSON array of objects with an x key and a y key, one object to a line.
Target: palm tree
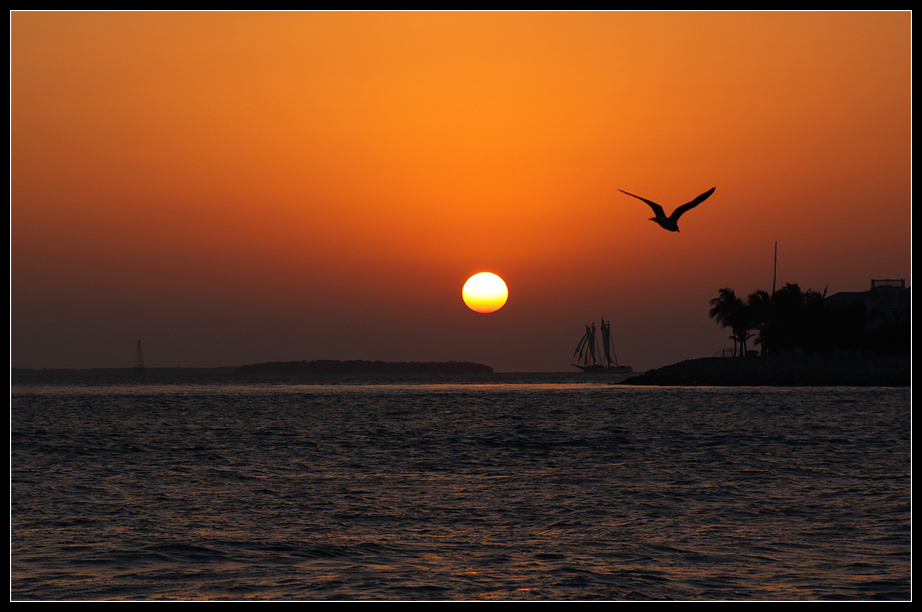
[
  {"x": 730, "y": 311},
  {"x": 760, "y": 311},
  {"x": 787, "y": 306}
]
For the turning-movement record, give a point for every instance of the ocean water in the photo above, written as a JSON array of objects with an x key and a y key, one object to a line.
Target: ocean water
[{"x": 511, "y": 487}]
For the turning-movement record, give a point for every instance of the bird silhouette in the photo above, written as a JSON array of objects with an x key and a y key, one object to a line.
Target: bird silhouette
[{"x": 671, "y": 222}]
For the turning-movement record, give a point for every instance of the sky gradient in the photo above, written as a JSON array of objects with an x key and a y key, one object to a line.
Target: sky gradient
[{"x": 232, "y": 188}]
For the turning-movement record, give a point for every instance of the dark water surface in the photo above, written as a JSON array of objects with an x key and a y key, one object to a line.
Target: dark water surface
[{"x": 532, "y": 487}]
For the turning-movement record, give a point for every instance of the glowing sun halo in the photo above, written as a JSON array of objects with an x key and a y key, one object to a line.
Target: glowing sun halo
[{"x": 484, "y": 292}]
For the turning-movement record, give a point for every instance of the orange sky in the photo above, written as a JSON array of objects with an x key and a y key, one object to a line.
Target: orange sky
[{"x": 232, "y": 188}]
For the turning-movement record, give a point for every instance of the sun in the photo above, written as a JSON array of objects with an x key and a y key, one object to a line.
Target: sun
[{"x": 484, "y": 292}]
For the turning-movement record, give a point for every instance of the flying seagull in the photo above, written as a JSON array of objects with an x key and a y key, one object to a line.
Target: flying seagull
[{"x": 671, "y": 222}]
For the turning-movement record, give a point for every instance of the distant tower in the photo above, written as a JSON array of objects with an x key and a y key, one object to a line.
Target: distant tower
[{"x": 139, "y": 361}]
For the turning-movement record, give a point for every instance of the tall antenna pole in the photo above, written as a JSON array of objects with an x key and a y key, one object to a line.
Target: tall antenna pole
[
  {"x": 139, "y": 361},
  {"x": 775, "y": 273}
]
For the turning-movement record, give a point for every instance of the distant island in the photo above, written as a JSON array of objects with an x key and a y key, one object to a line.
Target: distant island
[
  {"x": 804, "y": 338},
  {"x": 298, "y": 368},
  {"x": 846, "y": 371}
]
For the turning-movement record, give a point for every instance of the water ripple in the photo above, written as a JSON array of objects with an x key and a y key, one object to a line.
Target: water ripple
[{"x": 542, "y": 491}]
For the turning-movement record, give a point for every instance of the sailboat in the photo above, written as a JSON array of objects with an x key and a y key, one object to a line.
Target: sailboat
[{"x": 587, "y": 349}]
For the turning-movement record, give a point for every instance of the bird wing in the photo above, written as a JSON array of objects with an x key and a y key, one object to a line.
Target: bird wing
[
  {"x": 657, "y": 209},
  {"x": 678, "y": 212}
]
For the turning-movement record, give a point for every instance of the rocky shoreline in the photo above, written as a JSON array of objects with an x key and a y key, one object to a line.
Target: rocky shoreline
[{"x": 864, "y": 371}]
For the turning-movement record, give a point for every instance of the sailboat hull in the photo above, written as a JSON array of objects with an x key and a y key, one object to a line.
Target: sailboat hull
[{"x": 600, "y": 369}]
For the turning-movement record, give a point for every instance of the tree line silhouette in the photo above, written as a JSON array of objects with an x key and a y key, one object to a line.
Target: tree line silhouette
[{"x": 792, "y": 321}]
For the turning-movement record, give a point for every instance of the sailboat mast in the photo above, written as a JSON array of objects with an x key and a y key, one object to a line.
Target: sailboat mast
[
  {"x": 606, "y": 341},
  {"x": 592, "y": 344}
]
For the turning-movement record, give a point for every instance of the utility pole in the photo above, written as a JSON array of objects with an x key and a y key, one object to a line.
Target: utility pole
[{"x": 139, "y": 362}]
